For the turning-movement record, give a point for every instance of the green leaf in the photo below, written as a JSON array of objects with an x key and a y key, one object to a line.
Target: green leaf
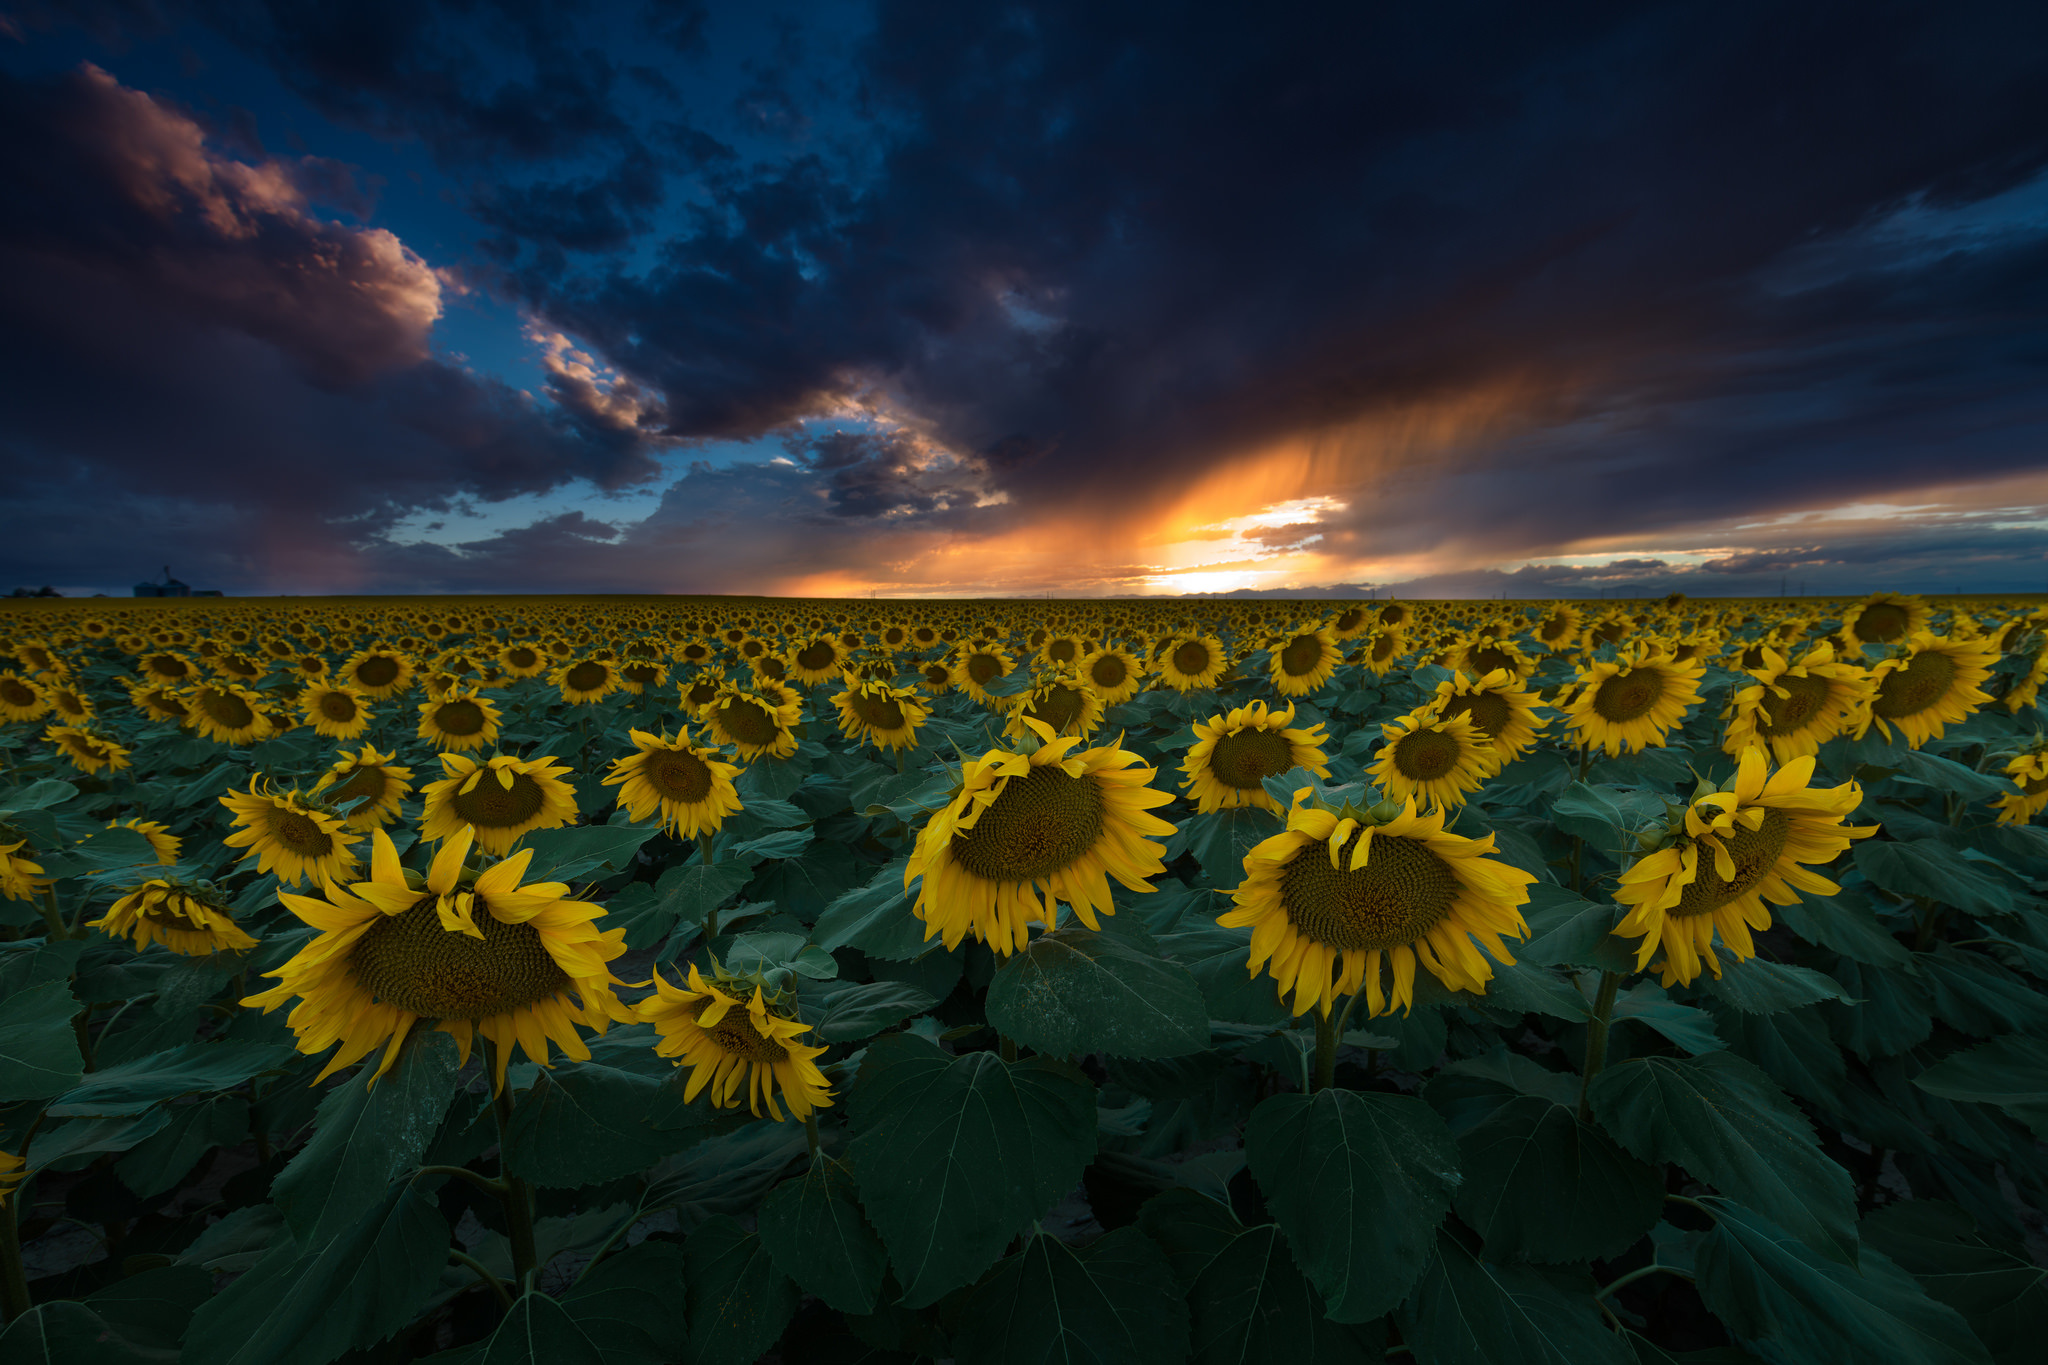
[
  {"x": 364, "y": 1138},
  {"x": 1114, "y": 1299},
  {"x": 1566, "y": 930},
  {"x": 1947, "y": 775},
  {"x": 1466, "y": 1311},
  {"x": 1358, "y": 1181},
  {"x": 624, "y": 1312},
  {"x": 565, "y": 855},
  {"x": 1076, "y": 991},
  {"x": 1217, "y": 958},
  {"x": 1772, "y": 1291},
  {"x": 1647, "y": 1003},
  {"x": 64, "y": 1333},
  {"x": 535, "y": 1331},
  {"x": 1844, "y": 922},
  {"x": 1755, "y": 986},
  {"x": 1542, "y": 1186},
  {"x": 1980, "y": 997},
  {"x": 1793, "y": 1048},
  {"x": 584, "y": 1124},
  {"x": 38, "y": 795},
  {"x": 1724, "y": 1122},
  {"x": 877, "y": 919},
  {"x": 781, "y": 843},
  {"x": 954, "y": 1155},
  {"x": 814, "y": 1228},
  {"x": 1191, "y": 1228},
  {"x": 1993, "y": 1284},
  {"x": 64, "y": 1146},
  {"x": 1220, "y": 839},
  {"x": 152, "y": 1308},
  {"x": 1524, "y": 989},
  {"x": 1252, "y": 1305},
  {"x": 1890, "y": 1014},
  {"x": 2010, "y": 1072},
  {"x": 159, "y": 1162},
  {"x": 38, "y": 1050},
  {"x": 198, "y": 1068},
  {"x": 35, "y": 961},
  {"x": 737, "y": 1301},
  {"x": 1930, "y": 868},
  {"x": 806, "y": 885},
  {"x": 864, "y": 1010}
]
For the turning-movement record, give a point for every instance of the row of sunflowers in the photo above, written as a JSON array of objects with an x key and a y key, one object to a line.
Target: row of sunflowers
[{"x": 861, "y": 980}]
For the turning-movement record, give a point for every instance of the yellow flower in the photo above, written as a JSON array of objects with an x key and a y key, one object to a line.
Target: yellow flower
[
  {"x": 730, "y": 1045},
  {"x": 1558, "y": 631},
  {"x": 1794, "y": 708},
  {"x": 1233, "y": 754},
  {"x": 689, "y": 788},
  {"x": 1730, "y": 852},
  {"x": 156, "y": 700},
  {"x": 1190, "y": 663},
  {"x": 460, "y": 719},
  {"x": 1058, "y": 699},
  {"x": 334, "y": 712},
  {"x": 1933, "y": 684},
  {"x": 584, "y": 681},
  {"x": 1115, "y": 674},
  {"x": 758, "y": 723},
  {"x": 1432, "y": 759},
  {"x": 697, "y": 692},
  {"x": 640, "y": 674},
  {"x": 979, "y": 666},
  {"x": 875, "y": 711},
  {"x": 13, "y": 1170},
  {"x": 183, "y": 918},
  {"x": 290, "y": 837},
  {"x": 374, "y": 779},
  {"x": 1304, "y": 662},
  {"x": 1633, "y": 702},
  {"x": 1383, "y": 649},
  {"x": 228, "y": 713},
  {"x": 522, "y": 660},
  {"x": 820, "y": 659},
  {"x": 21, "y": 878},
  {"x": 1497, "y": 706},
  {"x": 1334, "y": 899},
  {"x": 378, "y": 673},
  {"x": 88, "y": 752},
  {"x": 1882, "y": 618},
  {"x": 2029, "y": 772},
  {"x": 497, "y": 801},
  {"x": 162, "y": 842}
]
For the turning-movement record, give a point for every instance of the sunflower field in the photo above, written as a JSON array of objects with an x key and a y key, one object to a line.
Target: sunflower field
[{"x": 713, "y": 980}]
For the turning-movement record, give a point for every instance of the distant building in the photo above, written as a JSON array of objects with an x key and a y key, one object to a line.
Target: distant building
[{"x": 172, "y": 587}]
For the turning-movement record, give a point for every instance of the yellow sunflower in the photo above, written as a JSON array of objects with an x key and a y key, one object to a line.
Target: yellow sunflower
[
  {"x": 497, "y": 801},
  {"x": 875, "y": 712},
  {"x": 1728, "y": 853},
  {"x": 979, "y": 666},
  {"x": 166, "y": 845},
  {"x": 460, "y": 719},
  {"x": 334, "y": 712},
  {"x": 1058, "y": 699},
  {"x": 1794, "y": 708},
  {"x": 1353, "y": 621},
  {"x": 1633, "y": 702},
  {"x": 586, "y": 680},
  {"x": 1115, "y": 674},
  {"x": 168, "y": 667},
  {"x": 2029, "y": 773},
  {"x": 378, "y": 673},
  {"x": 1381, "y": 651},
  {"x": 158, "y": 701},
  {"x": 1883, "y": 618},
  {"x": 1558, "y": 631},
  {"x": 1337, "y": 895},
  {"x": 370, "y": 777},
  {"x": 21, "y": 876},
  {"x": 228, "y": 713},
  {"x": 289, "y": 836},
  {"x": 755, "y": 724},
  {"x": 88, "y": 752},
  {"x": 2022, "y": 691},
  {"x": 474, "y": 950},
  {"x": 638, "y": 675},
  {"x": 1304, "y": 662},
  {"x": 936, "y": 676},
  {"x": 1047, "y": 822},
  {"x": 698, "y": 691},
  {"x": 730, "y": 1043},
  {"x": 13, "y": 1170},
  {"x": 689, "y": 788},
  {"x": 186, "y": 919},
  {"x": 1484, "y": 653},
  {"x": 1433, "y": 759},
  {"x": 1931, "y": 684},
  {"x": 1189, "y": 663},
  {"x": 68, "y": 702},
  {"x": 1497, "y": 706},
  {"x": 1226, "y": 767},
  {"x": 522, "y": 660},
  {"x": 819, "y": 659}
]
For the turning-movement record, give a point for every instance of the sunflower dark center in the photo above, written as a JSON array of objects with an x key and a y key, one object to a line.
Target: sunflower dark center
[
  {"x": 225, "y": 708},
  {"x": 935, "y": 675},
  {"x": 1489, "y": 657},
  {"x": 1489, "y": 711},
  {"x": 1247, "y": 758},
  {"x": 735, "y": 1034},
  {"x": 169, "y": 666},
  {"x": 1882, "y": 621},
  {"x": 410, "y": 961},
  {"x": 700, "y": 693},
  {"x": 1039, "y": 824},
  {"x": 984, "y": 668},
  {"x": 460, "y": 718},
  {"x": 68, "y": 703},
  {"x": 1058, "y": 706},
  {"x": 378, "y": 670},
  {"x": 749, "y": 722},
  {"x": 1554, "y": 628},
  {"x": 489, "y": 805},
  {"x": 300, "y": 833},
  {"x": 1192, "y": 658},
  {"x": 17, "y": 693},
  {"x": 337, "y": 706},
  {"x": 1302, "y": 656},
  {"x": 1754, "y": 851},
  {"x": 1351, "y": 619},
  {"x": 1907, "y": 691},
  {"x": 365, "y": 783},
  {"x": 879, "y": 713},
  {"x": 1401, "y": 893},
  {"x": 521, "y": 657},
  {"x": 1109, "y": 672},
  {"x": 587, "y": 676},
  {"x": 1803, "y": 699},
  {"x": 1628, "y": 696},
  {"x": 2035, "y": 786},
  {"x": 641, "y": 674},
  {"x": 1426, "y": 755},
  {"x": 817, "y": 657},
  {"x": 1062, "y": 651},
  {"x": 677, "y": 775}
]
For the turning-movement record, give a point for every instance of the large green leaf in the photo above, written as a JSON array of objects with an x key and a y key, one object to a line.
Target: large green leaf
[
  {"x": 1542, "y": 1186},
  {"x": 565, "y": 855},
  {"x": 1649, "y": 1004},
  {"x": 1930, "y": 868},
  {"x": 1567, "y": 930},
  {"x": 364, "y": 1138},
  {"x": 1190, "y": 1228},
  {"x": 1220, "y": 839},
  {"x": 875, "y": 918},
  {"x": 1980, "y": 997},
  {"x": 738, "y": 1302},
  {"x": 585, "y": 1123},
  {"x": 1890, "y": 1012},
  {"x": 954, "y": 1155},
  {"x": 1755, "y": 986},
  {"x": 1993, "y": 1284},
  {"x": 626, "y": 1311},
  {"x": 814, "y": 1228},
  {"x": 153, "y": 1307},
  {"x": 1466, "y": 1311},
  {"x": 1251, "y": 1304},
  {"x": 38, "y": 1050},
  {"x": 1112, "y": 1300},
  {"x": 861, "y": 1011},
  {"x": 1218, "y": 959},
  {"x": 1076, "y": 991},
  {"x": 1793, "y": 1048},
  {"x": 64, "y": 1333},
  {"x": 1359, "y": 1182},
  {"x": 804, "y": 886},
  {"x": 1723, "y": 1120},
  {"x": 1775, "y": 1294},
  {"x": 2010, "y": 1072},
  {"x": 198, "y": 1068},
  {"x": 1844, "y": 922},
  {"x": 159, "y": 1162}
]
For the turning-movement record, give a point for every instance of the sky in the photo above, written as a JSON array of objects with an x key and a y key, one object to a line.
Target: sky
[{"x": 931, "y": 299}]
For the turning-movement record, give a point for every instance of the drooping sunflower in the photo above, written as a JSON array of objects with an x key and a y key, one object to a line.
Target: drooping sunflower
[
  {"x": 1433, "y": 760},
  {"x": 334, "y": 712},
  {"x": 460, "y": 719},
  {"x": 638, "y": 675},
  {"x": 936, "y": 676},
  {"x": 1558, "y": 631},
  {"x": 498, "y": 801},
  {"x": 21, "y": 877},
  {"x": 817, "y": 660},
  {"x": 370, "y": 777},
  {"x": 2029, "y": 773},
  {"x": 186, "y": 918},
  {"x": 158, "y": 701},
  {"x": 874, "y": 712},
  {"x": 757, "y": 723},
  {"x": 475, "y": 951},
  {"x": 980, "y": 665},
  {"x": 731, "y": 1043},
  {"x": 1339, "y": 895},
  {"x": 168, "y": 667},
  {"x": 1931, "y": 684},
  {"x": 68, "y": 702},
  {"x": 378, "y": 673},
  {"x": 1192, "y": 662},
  {"x": 228, "y": 713},
  {"x": 166, "y": 845},
  {"x": 1028, "y": 830},
  {"x": 1382, "y": 650},
  {"x": 1633, "y": 702},
  {"x": 688, "y": 787},
  {"x": 1303, "y": 662},
  {"x": 1794, "y": 708},
  {"x": 1497, "y": 705},
  {"x": 88, "y": 752},
  {"x": 586, "y": 680},
  {"x": 1883, "y": 618},
  {"x": 2022, "y": 691},
  {"x": 290, "y": 836},
  {"x": 1115, "y": 674},
  {"x": 1058, "y": 699},
  {"x": 1728, "y": 853},
  {"x": 1234, "y": 753}
]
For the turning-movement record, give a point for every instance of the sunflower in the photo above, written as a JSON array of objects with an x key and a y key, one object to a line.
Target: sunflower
[
  {"x": 1433, "y": 759},
  {"x": 875, "y": 712},
  {"x": 522, "y": 660},
  {"x": 1058, "y": 699},
  {"x": 371, "y": 778},
  {"x": 1495, "y": 704},
  {"x": 1189, "y": 663},
  {"x": 1115, "y": 674},
  {"x": 1558, "y": 631},
  {"x": 498, "y": 801},
  {"x": 1883, "y": 618},
  {"x": 817, "y": 660},
  {"x": 166, "y": 845},
  {"x": 187, "y": 919},
  {"x": 1729, "y": 852},
  {"x": 1931, "y": 684},
  {"x": 88, "y": 752},
  {"x": 729, "y": 1042},
  {"x": 1337, "y": 893},
  {"x": 22, "y": 698},
  {"x": 334, "y": 712},
  {"x": 936, "y": 676},
  {"x": 13, "y": 1170},
  {"x": 474, "y": 950},
  {"x": 585, "y": 680},
  {"x": 1233, "y": 754},
  {"x": 1382, "y": 651},
  {"x": 1485, "y": 652},
  {"x": 459, "y": 719},
  {"x": 688, "y": 787},
  {"x": 378, "y": 673},
  {"x": 239, "y": 666},
  {"x": 2029, "y": 772},
  {"x": 698, "y": 691},
  {"x": 1301, "y": 663},
  {"x": 311, "y": 667},
  {"x": 228, "y": 713},
  {"x": 1352, "y": 622},
  {"x": 21, "y": 877},
  {"x": 1634, "y": 701},
  {"x": 156, "y": 700},
  {"x": 755, "y": 724},
  {"x": 290, "y": 836},
  {"x": 1048, "y": 821},
  {"x": 979, "y": 665},
  {"x": 1062, "y": 651},
  {"x": 639, "y": 675},
  {"x": 1794, "y": 708},
  {"x": 168, "y": 666},
  {"x": 67, "y": 701}
]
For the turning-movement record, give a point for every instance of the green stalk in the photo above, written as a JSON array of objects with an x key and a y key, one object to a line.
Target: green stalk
[
  {"x": 51, "y": 917},
  {"x": 811, "y": 1133},
  {"x": 517, "y": 1196},
  {"x": 1326, "y": 1052},
  {"x": 1596, "y": 1040},
  {"x": 483, "y": 1277},
  {"x": 14, "y": 1298}
]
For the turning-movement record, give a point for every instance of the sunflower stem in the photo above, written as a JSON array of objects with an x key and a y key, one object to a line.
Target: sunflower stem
[
  {"x": 811, "y": 1133},
  {"x": 483, "y": 1277},
  {"x": 516, "y": 1196},
  {"x": 1009, "y": 1047},
  {"x": 1640, "y": 1273},
  {"x": 1326, "y": 1052},
  {"x": 51, "y": 917},
  {"x": 1596, "y": 1041},
  {"x": 81, "y": 1025},
  {"x": 13, "y": 1279},
  {"x": 487, "y": 1183}
]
